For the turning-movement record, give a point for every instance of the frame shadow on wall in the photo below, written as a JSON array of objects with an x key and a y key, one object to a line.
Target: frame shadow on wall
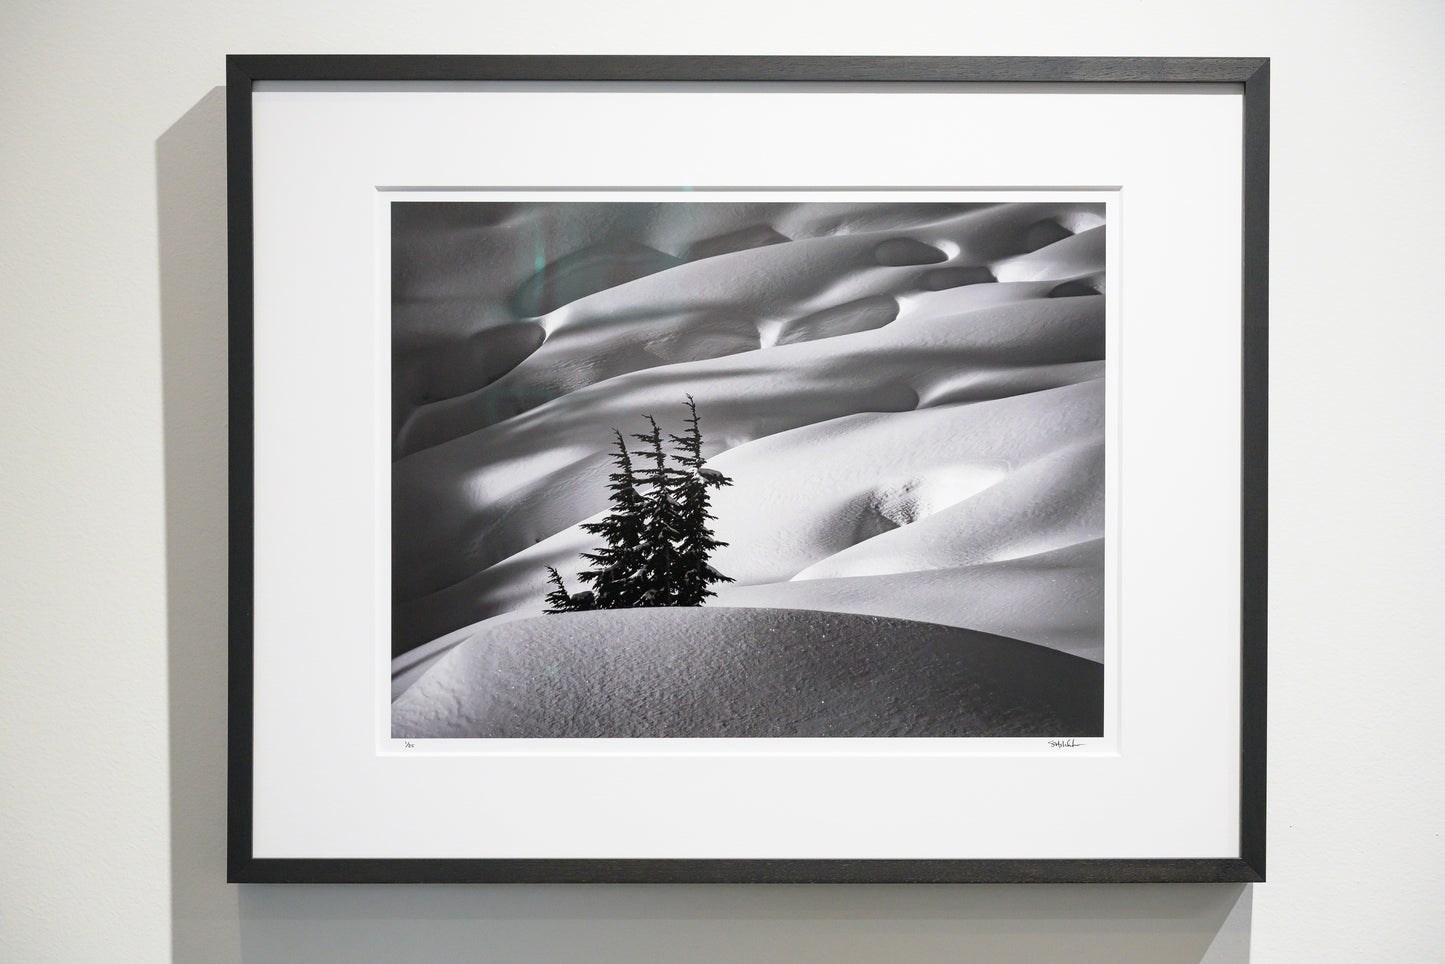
[{"x": 216, "y": 921}]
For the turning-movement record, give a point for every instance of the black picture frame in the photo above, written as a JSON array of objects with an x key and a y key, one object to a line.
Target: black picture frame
[{"x": 1252, "y": 76}]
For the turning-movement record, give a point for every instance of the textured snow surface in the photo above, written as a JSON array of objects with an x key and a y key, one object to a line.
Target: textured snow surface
[
  {"x": 715, "y": 672},
  {"x": 908, "y": 397}
]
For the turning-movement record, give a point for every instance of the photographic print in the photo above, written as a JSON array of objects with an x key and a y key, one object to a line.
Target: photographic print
[
  {"x": 755, "y": 497},
  {"x": 699, "y": 467}
]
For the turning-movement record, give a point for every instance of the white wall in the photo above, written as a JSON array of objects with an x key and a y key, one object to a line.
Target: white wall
[{"x": 112, "y": 496}]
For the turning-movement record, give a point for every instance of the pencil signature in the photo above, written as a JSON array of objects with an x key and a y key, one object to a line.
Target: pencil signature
[{"x": 1064, "y": 743}]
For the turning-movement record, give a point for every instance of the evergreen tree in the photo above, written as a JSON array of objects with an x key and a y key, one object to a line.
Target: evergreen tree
[
  {"x": 559, "y": 600},
  {"x": 695, "y": 548},
  {"x": 617, "y": 568},
  {"x": 663, "y": 565},
  {"x": 657, "y": 541}
]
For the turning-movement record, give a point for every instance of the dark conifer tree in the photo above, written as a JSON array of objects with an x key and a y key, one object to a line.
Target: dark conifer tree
[
  {"x": 695, "y": 548},
  {"x": 664, "y": 567},
  {"x": 657, "y": 540},
  {"x": 616, "y": 574},
  {"x": 559, "y": 600}
]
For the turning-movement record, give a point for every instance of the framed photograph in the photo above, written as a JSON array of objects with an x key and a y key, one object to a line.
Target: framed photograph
[{"x": 682, "y": 469}]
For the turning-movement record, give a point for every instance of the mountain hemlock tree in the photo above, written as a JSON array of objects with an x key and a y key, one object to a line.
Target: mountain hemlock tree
[
  {"x": 657, "y": 541},
  {"x": 559, "y": 600},
  {"x": 615, "y": 567},
  {"x": 698, "y": 543},
  {"x": 664, "y": 567}
]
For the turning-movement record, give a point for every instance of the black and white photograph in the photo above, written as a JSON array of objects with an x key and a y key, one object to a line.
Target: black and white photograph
[{"x": 693, "y": 465}]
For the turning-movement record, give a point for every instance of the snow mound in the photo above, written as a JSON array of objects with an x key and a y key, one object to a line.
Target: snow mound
[
  {"x": 586, "y": 272},
  {"x": 1053, "y": 599},
  {"x": 747, "y": 673},
  {"x": 1051, "y": 502},
  {"x": 754, "y": 236}
]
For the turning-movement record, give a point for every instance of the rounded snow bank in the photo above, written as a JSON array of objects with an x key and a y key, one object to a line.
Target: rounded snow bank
[{"x": 714, "y": 672}]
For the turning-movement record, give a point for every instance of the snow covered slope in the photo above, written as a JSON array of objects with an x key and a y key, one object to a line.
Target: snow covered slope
[
  {"x": 716, "y": 672},
  {"x": 909, "y": 398}
]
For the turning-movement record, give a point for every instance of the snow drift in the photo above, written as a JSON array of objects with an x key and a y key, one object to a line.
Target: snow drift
[{"x": 716, "y": 672}]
